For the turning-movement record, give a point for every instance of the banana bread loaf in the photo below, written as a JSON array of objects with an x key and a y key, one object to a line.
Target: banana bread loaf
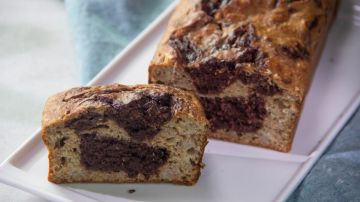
[
  {"x": 250, "y": 63},
  {"x": 117, "y": 133}
]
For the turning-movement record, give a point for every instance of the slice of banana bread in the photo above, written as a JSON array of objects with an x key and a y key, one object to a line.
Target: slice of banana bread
[
  {"x": 250, "y": 63},
  {"x": 118, "y": 134}
]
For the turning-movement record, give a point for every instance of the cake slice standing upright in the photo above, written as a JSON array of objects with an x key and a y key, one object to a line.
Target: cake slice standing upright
[{"x": 118, "y": 134}]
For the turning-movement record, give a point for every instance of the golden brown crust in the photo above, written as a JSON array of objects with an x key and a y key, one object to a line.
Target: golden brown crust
[
  {"x": 70, "y": 103},
  {"x": 284, "y": 39},
  {"x": 280, "y": 26}
]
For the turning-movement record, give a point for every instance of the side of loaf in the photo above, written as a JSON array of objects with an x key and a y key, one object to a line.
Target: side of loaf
[
  {"x": 119, "y": 134},
  {"x": 249, "y": 62}
]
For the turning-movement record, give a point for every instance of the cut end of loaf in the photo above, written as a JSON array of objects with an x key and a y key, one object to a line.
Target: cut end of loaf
[
  {"x": 127, "y": 137},
  {"x": 252, "y": 110}
]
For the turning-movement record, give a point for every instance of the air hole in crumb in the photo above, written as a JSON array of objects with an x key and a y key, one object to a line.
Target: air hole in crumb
[
  {"x": 170, "y": 139},
  {"x": 60, "y": 143},
  {"x": 280, "y": 103},
  {"x": 191, "y": 151},
  {"x": 131, "y": 191},
  {"x": 62, "y": 160},
  {"x": 67, "y": 112},
  {"x": 74, "y": 150},
  {"x": 100, "y": 126}
]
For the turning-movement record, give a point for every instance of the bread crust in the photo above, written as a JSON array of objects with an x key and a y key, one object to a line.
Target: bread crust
[
  {"x": 188, "y": 12},
  {"x": 290, "y": 33},
  {"x": 58, "y": 109}
]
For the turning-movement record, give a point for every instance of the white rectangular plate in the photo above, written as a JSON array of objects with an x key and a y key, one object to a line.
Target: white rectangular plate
[{"x": 233, "y": 172}]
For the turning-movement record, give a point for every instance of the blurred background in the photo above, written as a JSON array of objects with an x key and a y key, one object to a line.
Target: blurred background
[{"x": 37, "y": 58}]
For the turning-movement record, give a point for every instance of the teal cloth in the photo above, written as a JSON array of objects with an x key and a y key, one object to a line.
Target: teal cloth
[
  {"x": 102, "y": 28},
  {"x": 336, "y": 175}
]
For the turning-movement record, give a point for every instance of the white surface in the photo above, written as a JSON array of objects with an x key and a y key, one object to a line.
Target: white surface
[
  {"x": 239, "y": 173},
  {"x": 36, "y": 60}
]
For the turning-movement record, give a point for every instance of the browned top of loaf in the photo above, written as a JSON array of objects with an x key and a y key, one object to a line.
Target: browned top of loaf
[
  {"x": 69, "y": 104},
  {"x": 287, "y": 35}
]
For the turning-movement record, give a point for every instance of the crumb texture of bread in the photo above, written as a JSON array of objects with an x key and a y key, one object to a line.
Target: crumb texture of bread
[
  {"x": 249, "y": 62},
  {"x": 124, "y": 134}
]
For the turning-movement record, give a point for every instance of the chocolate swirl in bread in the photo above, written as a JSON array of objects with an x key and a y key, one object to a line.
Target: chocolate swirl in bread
[
  {"x": 116, "y": 133},
  {"x": 232, "y": 51}
]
